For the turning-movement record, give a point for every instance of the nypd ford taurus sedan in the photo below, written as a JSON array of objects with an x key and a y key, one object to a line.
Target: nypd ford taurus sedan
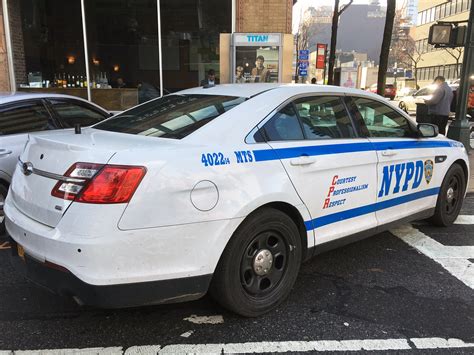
[{"x": 225, "y": 189}]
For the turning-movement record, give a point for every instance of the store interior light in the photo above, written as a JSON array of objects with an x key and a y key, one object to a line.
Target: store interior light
[
  {"x": 116, "y": 68},
  {"x": 95, "y": 61},
  {"x": 71, "y": 59}
]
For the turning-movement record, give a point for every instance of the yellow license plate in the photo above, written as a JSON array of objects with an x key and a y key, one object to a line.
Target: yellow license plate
[{"x": 21, "y": 251}]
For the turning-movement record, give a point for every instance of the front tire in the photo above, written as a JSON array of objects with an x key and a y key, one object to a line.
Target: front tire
[
  {"x": 450, "y": 197},
  {"x": 260, "y": 264},
  {"x": 3, "y": 195}
]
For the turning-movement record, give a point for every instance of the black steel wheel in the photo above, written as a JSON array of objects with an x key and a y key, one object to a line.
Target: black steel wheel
[
  {"x": 259, "y": 265},
  {"x": 451, "y": 197},
  {"x": 3, "y": 195}
]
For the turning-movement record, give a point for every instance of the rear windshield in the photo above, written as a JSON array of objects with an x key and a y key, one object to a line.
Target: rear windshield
[{"x": 172, "y": 116}]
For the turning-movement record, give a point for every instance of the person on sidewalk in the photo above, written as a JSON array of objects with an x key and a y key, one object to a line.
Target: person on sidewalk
[{"x": 440, "y": 103}]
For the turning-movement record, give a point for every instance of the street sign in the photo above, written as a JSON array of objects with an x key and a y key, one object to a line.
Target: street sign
[
  {"x": 303, "y": 54},
  {"x": 303, "y": 72},
  {"x": 303, "y": 65}
]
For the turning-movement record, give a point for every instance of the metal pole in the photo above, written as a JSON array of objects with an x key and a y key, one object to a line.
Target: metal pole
[
  {"x": 6, "y": 25},
  {"x": 460, "y": 128},
  {"x": 86, "y": 50},
  {"x": 234, "y": 14},
  {"x": 160, "y": 54}
]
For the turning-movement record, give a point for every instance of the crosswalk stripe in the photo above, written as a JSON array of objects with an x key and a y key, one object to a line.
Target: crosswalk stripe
[
  {"x": 460, "y": 268},
  {"x": 465, "y": 219}
]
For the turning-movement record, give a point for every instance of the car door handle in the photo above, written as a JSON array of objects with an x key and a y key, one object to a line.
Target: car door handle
[
  {"x": 389, "y": 153},
  {"x": 5, "y": 153},
  {"x": 303, "y": 160}
]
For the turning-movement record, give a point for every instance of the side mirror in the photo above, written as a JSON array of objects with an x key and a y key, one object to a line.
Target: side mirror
[{"x": 428, "y": 130}]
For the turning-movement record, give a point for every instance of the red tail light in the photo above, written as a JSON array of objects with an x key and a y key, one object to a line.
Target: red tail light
[{"x": 94, "y": 183}]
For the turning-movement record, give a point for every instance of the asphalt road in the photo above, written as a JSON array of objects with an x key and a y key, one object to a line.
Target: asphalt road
[{"x": 380, "y": 288}]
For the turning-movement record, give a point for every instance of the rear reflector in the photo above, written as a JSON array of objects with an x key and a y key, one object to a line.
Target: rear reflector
[{"x": 100, "y": 183}]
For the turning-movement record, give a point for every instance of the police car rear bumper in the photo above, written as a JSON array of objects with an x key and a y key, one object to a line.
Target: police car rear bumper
[{"x": 60, "y": 281}]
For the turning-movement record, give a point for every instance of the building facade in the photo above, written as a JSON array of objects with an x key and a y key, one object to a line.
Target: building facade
[
  {"x": 52, "y": 46},
  {"x": 438, "y": 61}
]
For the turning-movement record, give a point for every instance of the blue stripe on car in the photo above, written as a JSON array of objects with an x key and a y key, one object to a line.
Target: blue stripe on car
[
  {"x": 293, "y": 152},
  {"x": 360, "y": 211}
]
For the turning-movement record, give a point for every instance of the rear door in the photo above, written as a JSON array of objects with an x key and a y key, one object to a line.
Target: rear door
[
  {"x": 332, "y": 169},
  {"x": 406, "y": 163}
]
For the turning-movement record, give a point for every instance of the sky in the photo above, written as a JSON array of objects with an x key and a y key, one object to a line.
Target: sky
[{"x": 302, "y": 5}]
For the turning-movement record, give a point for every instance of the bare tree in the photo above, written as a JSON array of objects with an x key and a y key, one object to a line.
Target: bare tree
[
  {"x": 338, "y": 10},
  {"x": 457, "y": 54},
  {"x": 385, "y": 51},
  {"x": 408, "y": 54}
]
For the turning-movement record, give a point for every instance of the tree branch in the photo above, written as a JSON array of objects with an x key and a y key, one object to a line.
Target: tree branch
[{"x": 344, "y": 7}]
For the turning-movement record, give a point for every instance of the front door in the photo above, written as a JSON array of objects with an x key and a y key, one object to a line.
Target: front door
[{"x": 406, "y": 174}]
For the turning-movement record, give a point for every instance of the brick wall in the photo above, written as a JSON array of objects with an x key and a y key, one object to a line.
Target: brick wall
[
  {"x": 16, "y": 33},
  {"x": 264, "y": 16},
  {"x": 4, "y": 79}
]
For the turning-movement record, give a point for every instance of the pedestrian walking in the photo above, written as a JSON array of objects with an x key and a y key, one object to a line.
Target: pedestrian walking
[{"x": 440, "y": 104}]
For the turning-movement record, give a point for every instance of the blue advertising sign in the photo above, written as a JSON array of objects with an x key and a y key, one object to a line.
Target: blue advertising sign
[{"x": 303, "y": 72}]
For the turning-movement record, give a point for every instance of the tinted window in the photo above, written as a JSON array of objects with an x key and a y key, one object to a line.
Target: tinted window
[
  {"x": 324, "y": 117},
  {"x": 173, "y": 116},
  {"x": 71, "y": 113},
  {"x": 26, "y": 117},
  {"x": 381, "y": 120},
  {"x": 284, "y": 126}
]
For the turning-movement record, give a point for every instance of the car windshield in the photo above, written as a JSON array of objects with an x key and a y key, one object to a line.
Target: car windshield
[{"x": 172, "y": 116}]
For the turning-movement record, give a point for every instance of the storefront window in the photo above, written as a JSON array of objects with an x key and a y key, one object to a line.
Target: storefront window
[
  {"x": 190, "y": 32},
  {"x": 53, "y": 49},
  {"x": 123, "y": 45}
]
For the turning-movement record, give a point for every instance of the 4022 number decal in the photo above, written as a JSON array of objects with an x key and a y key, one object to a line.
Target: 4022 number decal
[{"x": 214, "y": 159}]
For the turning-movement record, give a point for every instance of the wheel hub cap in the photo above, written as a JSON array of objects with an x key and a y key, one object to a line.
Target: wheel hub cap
[
  {"x": 262, "y": 263},
  {"x": 2, "y": 215},
  {"x": 450, "y": 194}
]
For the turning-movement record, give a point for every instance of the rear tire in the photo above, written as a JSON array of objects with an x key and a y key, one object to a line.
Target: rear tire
[
  {"x": 450, "y": 197},
  {"x": 259, "y": 265},
  {"x": 3, "y": 195}
]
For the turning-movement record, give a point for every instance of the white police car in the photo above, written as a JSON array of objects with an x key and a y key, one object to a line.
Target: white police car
[{"x": 226, "y": 189}]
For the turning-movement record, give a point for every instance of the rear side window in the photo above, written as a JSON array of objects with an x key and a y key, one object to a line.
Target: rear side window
[
  {"x": 324, "y": 117},
  {"x": 172, "y": 116},
  {"x": 71, "y": 113},
  {"x": 26, "y": 117},
  {"x": 284, "y": 125}
]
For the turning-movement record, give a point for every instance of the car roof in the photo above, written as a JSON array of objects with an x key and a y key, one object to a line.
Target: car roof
[
  {"x": 9, "y": 97},
  {"x": 250, "y": 90}
]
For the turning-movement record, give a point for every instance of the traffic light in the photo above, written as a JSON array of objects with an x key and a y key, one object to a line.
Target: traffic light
[{"x": 447, "y": 35}]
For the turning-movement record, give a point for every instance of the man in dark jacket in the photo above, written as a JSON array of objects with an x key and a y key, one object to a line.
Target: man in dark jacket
[
  {"x": 211, "y": 79},
  {"x": 440, "y": 104}
]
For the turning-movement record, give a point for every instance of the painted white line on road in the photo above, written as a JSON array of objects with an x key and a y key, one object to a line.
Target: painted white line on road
[
  {"x": 143, "y": 350},
  {"x": 446, "y": 256},
  {"x": 289, "y": 346},
  {"x": 465, "y": 219},
  {"x": 205, "y": 319},
  {"x": 440, "y": 343},
  {"x": 88, "y": 351},
  {"x": 264, "y": 347}
]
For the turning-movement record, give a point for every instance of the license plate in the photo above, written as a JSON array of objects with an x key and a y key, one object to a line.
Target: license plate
[{"x": 21, "y": 251}]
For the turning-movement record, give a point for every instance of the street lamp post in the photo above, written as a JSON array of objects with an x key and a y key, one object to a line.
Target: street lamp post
[{"x": 460, "y": 128}]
